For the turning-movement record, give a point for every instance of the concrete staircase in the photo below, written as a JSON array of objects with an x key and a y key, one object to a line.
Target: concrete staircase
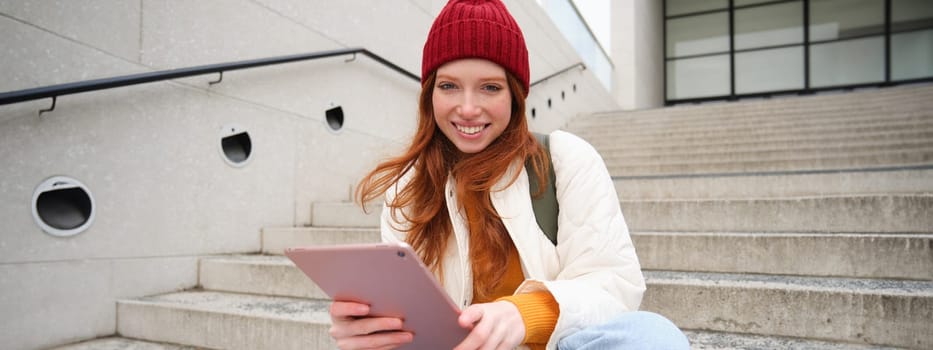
[{"x": 802, "y": 223}]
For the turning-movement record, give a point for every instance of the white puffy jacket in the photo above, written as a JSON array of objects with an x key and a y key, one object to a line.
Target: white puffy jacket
[{"x": 592, "y": 272}]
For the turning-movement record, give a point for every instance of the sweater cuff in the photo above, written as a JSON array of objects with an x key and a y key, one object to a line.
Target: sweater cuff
[{"x": 539, "y": 311}]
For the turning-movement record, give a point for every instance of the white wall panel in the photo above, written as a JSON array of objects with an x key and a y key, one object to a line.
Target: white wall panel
[
  {"x": 177, "y": 33},
  {"x": 111, "y": 26},
  {"x": 46, "y": 304}
]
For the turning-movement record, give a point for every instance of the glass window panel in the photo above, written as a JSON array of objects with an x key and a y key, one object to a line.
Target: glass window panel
[
  {"x": 748, "y": 2},
  {"x": 911, "y": 14},
  {"x": 769, "y": 25},
  {"x": 698, "y": 35},
  {"x": 840, "y": 19},
  {"x": 769, "y": 70},
  {"x": 679, "y": 7},
  {"x": 912, "y": 55},
  {"x": 847, "y": 62},
  {"x": 698, "y": 77}
]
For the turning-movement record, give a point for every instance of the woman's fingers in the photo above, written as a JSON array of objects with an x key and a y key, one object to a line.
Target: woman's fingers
[
  {"x": 387, "y": 340},
  {"x": 353, "y": 329},
  {"x": 345, "y": 309},
  {"x": 350, "y": 327},
  {"x": 495, "y": 325}
]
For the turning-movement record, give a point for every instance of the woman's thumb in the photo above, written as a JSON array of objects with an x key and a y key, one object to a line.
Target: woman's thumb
[{"x": 470, "y": 316}]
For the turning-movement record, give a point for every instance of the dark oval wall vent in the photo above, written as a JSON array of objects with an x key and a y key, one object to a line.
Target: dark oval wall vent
[
  {"x": 236, "y": 146},
  {"x": 334, "y": 117},
  {"x": 62, "y": 206}
]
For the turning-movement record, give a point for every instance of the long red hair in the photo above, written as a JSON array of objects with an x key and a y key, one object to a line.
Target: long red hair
[{"x": 431, "y": 157}]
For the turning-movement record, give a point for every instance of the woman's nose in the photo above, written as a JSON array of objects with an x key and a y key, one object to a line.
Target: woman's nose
[{"x": 469, "y": 108}]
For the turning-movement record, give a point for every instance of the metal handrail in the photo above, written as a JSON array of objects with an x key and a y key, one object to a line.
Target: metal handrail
[
  {"x": 562, "y": 71},
  {"x": 53, "y": 91}
]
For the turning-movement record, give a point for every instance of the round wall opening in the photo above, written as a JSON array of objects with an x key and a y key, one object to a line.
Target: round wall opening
[
  {"x": 334, "y": 117},
  {"x": 62, "y": 206},
  {"x": 235, "y": 145}
]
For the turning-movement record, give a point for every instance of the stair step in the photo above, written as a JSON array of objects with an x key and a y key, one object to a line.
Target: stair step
[
  {"x": 882, "y": 102},
  {"x": 766, "y": 130},
  {"x": 273, "y": 275},
  {"x": 882, "y": 213},
  {"x": 909, "y": 213},
  {"x": 794, "y": 108},
  {"x": 778, "y": 184},
  {"x": 802, "y": 154},
  {"x": 802, "y": 163},
  {"x": 276, "y": 239},
  {"x": 862, "y": 311},
  {"x": 227, "y": 320},
  {"x": 849, "y": 255},
  {"x": 117, "y": 343},
  {"x": 845, "y": 255},
  {"x": 700, "y": 340},
  {"x": 824, "y": 143}
]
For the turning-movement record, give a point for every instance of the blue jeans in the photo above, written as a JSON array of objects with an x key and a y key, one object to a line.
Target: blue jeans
[{"x": 639, "y": 330}]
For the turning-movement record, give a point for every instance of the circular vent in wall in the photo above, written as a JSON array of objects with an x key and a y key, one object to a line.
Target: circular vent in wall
[
  {"x": 235, "y": 145},
  {"x": 62, "y": 206}
]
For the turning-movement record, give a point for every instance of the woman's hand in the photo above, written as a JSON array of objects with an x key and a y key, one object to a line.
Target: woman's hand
[
  {"x": 353, "y": 328},
  {"x": 496, "y": 325}
]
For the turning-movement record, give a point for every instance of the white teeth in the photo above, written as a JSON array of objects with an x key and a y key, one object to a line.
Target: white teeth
[{"x": 470, "y": 130}]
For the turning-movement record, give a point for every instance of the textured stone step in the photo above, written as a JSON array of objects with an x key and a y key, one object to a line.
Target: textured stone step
[
  {"x": 880, "y": 312},
  {"x": 890, "y": 256},
  {"x": 117, "y": 343},
  {"x": 884, "y": 101},
  {"x": 217, "y": 320},
  {"x": 778, "y": 184},
  {"x": 883, "y": 213},
  {"x": 839, "y": 124},
  {"x": 273, "y": 275},
  {"x": 621, "y": 146},
  {"x": 700, "y": 340},
  {"x": 802, "y": 163},
  {"x": 879, "y": 103},
  {"x": 831, "y": 214},
  {"x": 276, "y": 239},
  {"x": 773, "y": 112},
  {"x": 738, "y": 155}
]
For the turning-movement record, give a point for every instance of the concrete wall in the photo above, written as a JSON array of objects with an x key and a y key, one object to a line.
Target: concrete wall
[
  {"x": 638, "y": 52},
  {"x": 150, "y": 153}
]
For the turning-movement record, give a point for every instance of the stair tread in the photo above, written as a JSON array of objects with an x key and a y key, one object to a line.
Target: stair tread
[
  {"x": 732, "y": 341},
  {"x": 119, "y": 343},
  {"x": 250, "y": 305},
  {"x": 922, "y": 289},
  {"x": 252, "y": 259}
]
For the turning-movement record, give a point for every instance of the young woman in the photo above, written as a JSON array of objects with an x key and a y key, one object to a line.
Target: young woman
[{"x": 460, "y": 196}]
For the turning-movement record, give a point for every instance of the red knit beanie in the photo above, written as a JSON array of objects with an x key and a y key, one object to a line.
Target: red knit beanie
[{"x": 476, "y": 29}]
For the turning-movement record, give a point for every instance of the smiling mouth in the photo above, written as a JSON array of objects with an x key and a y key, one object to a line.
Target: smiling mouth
[{"x": 470, "y": 130}]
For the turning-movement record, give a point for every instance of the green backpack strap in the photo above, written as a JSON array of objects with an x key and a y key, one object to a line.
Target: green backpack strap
[{"x": 545, "y": 206}]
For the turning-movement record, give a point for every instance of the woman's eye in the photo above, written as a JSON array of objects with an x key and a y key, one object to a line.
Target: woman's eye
[
  {"x": 445, "y": 86},
  {"x": 492, "y": 88}
]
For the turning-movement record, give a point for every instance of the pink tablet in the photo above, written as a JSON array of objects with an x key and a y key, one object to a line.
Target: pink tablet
[{"x": 392, "y": 280}]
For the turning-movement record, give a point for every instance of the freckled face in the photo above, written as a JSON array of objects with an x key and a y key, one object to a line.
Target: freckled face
[{"x": 472, "y": 103}]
